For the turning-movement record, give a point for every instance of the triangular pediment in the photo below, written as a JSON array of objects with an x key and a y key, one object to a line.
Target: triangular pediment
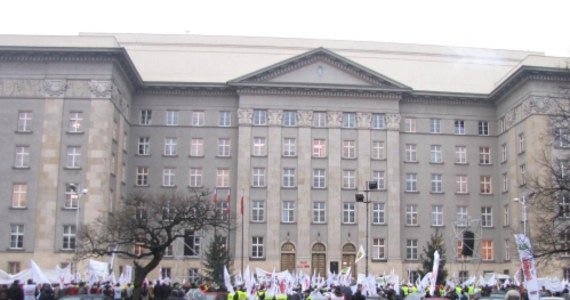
[{"x": 318, "y": 68}]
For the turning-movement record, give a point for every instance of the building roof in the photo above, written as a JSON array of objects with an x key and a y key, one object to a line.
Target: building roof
[{"x": 223, "y": 59}]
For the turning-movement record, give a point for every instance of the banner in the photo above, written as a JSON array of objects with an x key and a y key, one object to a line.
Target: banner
[
  {"x": 360, "y": 254},
  {"x": 434, "y": 271},
  {"x": 98, "y": 268},
  {"x": 528, "y": 265}
]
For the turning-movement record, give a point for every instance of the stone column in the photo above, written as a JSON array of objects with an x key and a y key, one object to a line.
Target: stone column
[
  {"x": 243, "y": 175},
  {"x": 273, "y": 180},
  {"x": 393, "y": 193},
  {"x": 304, "y": 172},
  {"x": 334, "y": 205}
]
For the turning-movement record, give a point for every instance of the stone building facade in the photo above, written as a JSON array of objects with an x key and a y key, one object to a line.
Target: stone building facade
[{"x": 297, "y": 128}]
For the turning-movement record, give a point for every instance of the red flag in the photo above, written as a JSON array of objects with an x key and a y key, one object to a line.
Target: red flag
[
  {"x": 241, "y": 205},
  {"x": 215, "y": 196},
  {"x": 228, "y": 197}
]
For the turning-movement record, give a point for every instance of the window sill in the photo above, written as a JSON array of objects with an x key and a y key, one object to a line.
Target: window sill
[
  {"x": 411, "y": 162},
  {"x": 21, "y": 168},
  {"x": 76, "y": 133},
  {"x": 72, "y": 168},
  {"x": 141, "y": 186},
  {"x": 18, "y": 208},
  {"x": 24, "y": 131},
  {"x": 437, "y": 193},
  {"x": 142, "y": 155},
  {"x": 437, "y": 226},
  {"x": 318, "y": 188},
  {"x": 223, "y": 156},
  {"x": 456, "y": 193},
  {"x": 168, "y": 186},
  {"x": 411, "y": 192},
  {"x": 259, "y": 156},
  {"x": 436, "y": 163},
  {"x": 15, "y": 249},
  {"x": 378, "y": 159},
  {"x": 166, "y": 155},
  {"x": 257, "y": 258},
  {"x": 379, "y": 260},
  {"x": 197, "y": 156},
  {"x": 349, "y": 158},
  {"x": 409, "y": 225},
  {"x": 319, "y": 157},
  {"x": 289, "y": 156},
  {"x": 379, "y": 224},
  {"x": 485, "y": 165},
  {"x": 288, "y": 223},
  {"x": 69, "y": 208},
  {"x": 289, "y": 187},
  {"x": 461, "y": 164},
  {"x": 486, "y": 194}
]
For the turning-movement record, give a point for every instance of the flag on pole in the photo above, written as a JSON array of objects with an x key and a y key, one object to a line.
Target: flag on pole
[
  {"x": 215, "y": 196},
  {"x": 228, "y": 199},
  {"x": 227, "y": 280},
  {"x": 241, "y": 205},
  {"x": 528, "y": 265},
  {"x": 360, "y": 254}
]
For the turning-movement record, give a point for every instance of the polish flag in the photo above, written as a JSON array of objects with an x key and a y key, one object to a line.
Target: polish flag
[
  {"x": 228, "y": 199},
  {"x": 215, "y": 196},
  {"x": 241, "y": 205}
]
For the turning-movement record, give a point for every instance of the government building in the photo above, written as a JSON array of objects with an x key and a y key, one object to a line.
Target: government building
[{"x": 331, "y": 144}]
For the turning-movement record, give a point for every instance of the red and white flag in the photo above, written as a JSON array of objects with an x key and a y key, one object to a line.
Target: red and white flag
[
  {"x": 215, "y": 196},
  {"x": 241, "y": 205}
]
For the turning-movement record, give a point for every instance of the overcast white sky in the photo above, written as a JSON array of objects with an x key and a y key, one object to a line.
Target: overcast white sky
[{"x": 535, "y": 25}]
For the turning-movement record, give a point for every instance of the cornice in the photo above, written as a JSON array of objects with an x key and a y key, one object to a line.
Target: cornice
[
  {"x": 446, "y": 98},
  {"x": 116, "y": 56},
  {"x": 353, "y": 93},
  {"x": 525, "y": 74},
  {"x": 191, "y": 90}
]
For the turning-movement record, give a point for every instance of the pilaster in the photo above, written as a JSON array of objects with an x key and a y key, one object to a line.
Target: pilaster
[{"x": 393, "y": 193}]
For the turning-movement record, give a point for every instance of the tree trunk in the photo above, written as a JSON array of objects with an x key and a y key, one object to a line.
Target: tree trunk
[{"x": 141, "y": 273}]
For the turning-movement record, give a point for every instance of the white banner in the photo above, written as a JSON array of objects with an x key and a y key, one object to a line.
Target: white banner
[
  {"x": 434, "y": 271},
  {"x": 528, "y": 265},
  {"x": 98, "y": 268}
]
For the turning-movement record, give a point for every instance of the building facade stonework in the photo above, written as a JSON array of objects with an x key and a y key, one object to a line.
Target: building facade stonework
[{"x": 298, "y": 137}]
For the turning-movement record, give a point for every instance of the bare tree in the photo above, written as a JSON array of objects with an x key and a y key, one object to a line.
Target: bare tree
[
  {"x": 144, "y": 227},
  {"x": 548, "y": 194}
]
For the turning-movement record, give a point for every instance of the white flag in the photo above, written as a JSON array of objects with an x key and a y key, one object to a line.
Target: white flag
[
  {"x": 434, "y": 273},
  {"x": 228, "y": 280},
  {"x": 528, "y": 265},
  {"x": 360, "y": 254}
]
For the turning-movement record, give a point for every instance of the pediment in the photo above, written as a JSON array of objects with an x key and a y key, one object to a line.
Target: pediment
[{"x": 318, "y": 68}]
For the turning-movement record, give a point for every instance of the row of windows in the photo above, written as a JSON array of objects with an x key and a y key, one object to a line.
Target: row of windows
[
  {"x": 74, "y": 122},
  {"x": 197, "y": 118},
  {"x": 22, "y": 157},
  {"x": 435, "y": 126},
  {"x": 461, "y": 184}
]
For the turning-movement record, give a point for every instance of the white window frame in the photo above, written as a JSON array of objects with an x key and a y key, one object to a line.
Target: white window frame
[
  {"x": 22, "y": 157},
  {"x": 73, "y": 157},
  {"x": 504, "y": 153},
  {"x": 349, "y": 120},
  {"x": 19, "y": 195},
  {"x": 410, "y": 154},
  {"x": 224, "y": 147},
  {"x": 258, "y": 211},
  {"x": 411, "y": 215},
  {"x": 319, "y": 148},
  {"x": 459, "y": 127},
  {"x": 436, "y": 183},
  {"x": 170, "y": 146},
  {"x": 289, "y": 118},
  {"x": 142, "y": 174},
  {"x": 378, "y": 121},
  {"x": 171, "y": 118},
  {"x": 485, "y": 184},
  {"x": 259, "y": 146},
  {"x": 462, "y": 216},
  {"x": 485, "y": 156},
  {"x": 410, "y": 125},
  {"x": 437, "y": 215},
  {"x": 348, "y": 179},
  {"x": 319, "y": 178},
  {"x": 319, "y": 212},
  {"x": 16, "y": 236},
  {"x": 259, "y": 117},
  {"x": 436, "y": 154},
  {"x": 289, "y": 147},
  {"x": 486, "y": 216},
  {"x": 198, "y": 118},
  {"x": 378, "y": 248},
  {"x": 460, "y": 154},
  {"x": 223, "y": 178},
  {"x": 349, "y": 149},
  {"x": 435, "y": 125},
  {"x": 225, "y": 119},
  {"x": 461, "y": 186},
  {"x": 320, "y": 119},
  {"x": 289, "y": 178},
  {"x": 197, "y": 147},
  {"x": 288, "y": 211},
  {"x": 522, "y": 143},
  {"x": 484, "y": 128},
  {"x": 169, "y": 177},
  {"x": 143, "y": 146},
  {"x": 380, "y": 177},
  {"x": 146, "y": 117},
  {"x": 411, "y": 182},
  {"x": 75, "y": 121},
  {"x": 411, "y": 249},
  {"x": 24, "y": 121},
  {"x": 378, "y": 213},
  {"x": 348, "y": 213},
  {"x": 258, "y": 177},
  {"x": 257, "y": 248},
  {"x": 68, "y": 237},
  {"x": 195, "y": 177},
  {"x": 378, "y": 150}
]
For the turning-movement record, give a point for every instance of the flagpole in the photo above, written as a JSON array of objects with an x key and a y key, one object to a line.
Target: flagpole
[
  {"x": 228, "y": 214},
  {"x": 242, "y": 228}
]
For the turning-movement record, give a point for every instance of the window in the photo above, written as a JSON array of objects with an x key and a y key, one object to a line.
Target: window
[
  {"x": 71, "y": 196},
  {"x": 289, "y": 175},
  {"x": 462, "y": 216},
  {"x": 505, "y": 182},
  {"x": 380, "y": 178},
  {"x": 460, "y": 154},
  {"x": 483, "y": 128},
  {"x": 259, "y": 117},
  {"x": 257, "y": 247},
  {"x": 378, "y": 248},
  {"x": 170, "y": 147},
  {"x": 258, "y": 177},
  {"x": 436, "y": 183},
  {"x": 146, "y": 117},
  {"x": 378, "y": 121},
  {"x": 142, "y": 176},
  {"x": 319, "y": 178},
  {"x": 171, "y": 117},
  {"x": 143, "y": 146},
  {"x": 319, "y": 148},
  {"x": 348, "y": 213},
  {"x": 437, "y": 215},
  {"x": 435, "y": 154},
  {"x": 68, "y": 237},
  {"x": 225, "y": 119},
  {"x": 259, "y": 146},
  {"x": 224, "y": 147},
  {"x": 348, "y": 179},
  {"x": 435, "y": 126},
  {"x": 484, "y": 155},
  {"x": 191, "y": 243},
  {"x": 288, "y": 212},
  {"x": 378, "y": 150},
  {"x": 349, "y": 120},
  {"x": 378, "y": 213},
  {"x": 563, "y": 207},
  {"x": 289, "y": 118},
  {"x": 409, "y": 125},
  {"x": 411, "y": 249},
  {"x": 222, "y": 178},
  {"x": 24, "y": 121},
  {"x": 461, "y": 184},
  {"x": 197, "y": 147},
  {"x": 75, "y": 120},
  {"x": 198, "y": 118},
  {"x": 16, "y": 236},
  {"x": 19, "y": 195},
  {"x": 459, "y": 127},
  {"x": 486, "y": 216},
  {"x": 194, "y": 276},
  {"x": 410, "y": 154},
  {"x": 320, "y": 119},
  {"x": 257, "y": 211},
  {"x": 165, "y": 272},
  {"x": 349, "y": 149},
  {"x": 522, "y": 145},
  {"x": 73, "y": 157},
  {"x": 504, "y": 153},
  {"x": 319, "y": 212},
  {"x": 506, "y": 216},
  {"x": 485, "y": 185},
  {"x": 411, "y": 215},
  {"x": 564, "y": 243},
  {"x": 14, "y": 267},
  {"x": 195, "y": 177},
  {"x": 486, "y": 250},
  {"x": 411, "y": 182},
  {"x": 22, "y": 159},
  {"x": 169, "y": 177},
  {"x": 522, "y": 171},
  {"x": 289, "y": 147}
]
